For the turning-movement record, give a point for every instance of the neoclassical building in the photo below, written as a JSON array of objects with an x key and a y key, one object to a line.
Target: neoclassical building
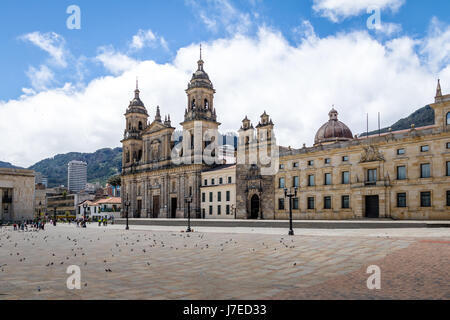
[
  {"x": 17, "y": 190},
  {"x": 403, "y": 174},
  {"x": 400, "y": 175},
  {"x": 160, "y": 171}
]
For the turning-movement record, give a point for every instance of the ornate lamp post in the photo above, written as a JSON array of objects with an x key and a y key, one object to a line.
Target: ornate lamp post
[
  {"x": 290, "y": 195},
  {"x": 188, "y": 200},
  {"x": 127, "y": 206}
]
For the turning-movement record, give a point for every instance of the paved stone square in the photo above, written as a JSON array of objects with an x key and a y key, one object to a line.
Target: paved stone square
[{"x": 165, "y": 264}]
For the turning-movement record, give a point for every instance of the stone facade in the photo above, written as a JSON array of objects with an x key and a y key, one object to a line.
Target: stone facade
[
  {"x": 16, "y": 194},
  {"x": 400, "y": 175},
  {"x": 159, "y": 172},
  {"x": 257, "y": 161}
]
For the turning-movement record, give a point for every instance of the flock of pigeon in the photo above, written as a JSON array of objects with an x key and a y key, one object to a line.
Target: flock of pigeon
[{"x": 74, "y": 247}]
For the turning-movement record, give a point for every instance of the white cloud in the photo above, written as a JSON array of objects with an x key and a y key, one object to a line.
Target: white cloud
[
  {"x": 337, "y": 10},
  {"x": 114, "y": 61},
  {"x": 354, "y": 71},
  {"x": 40, "y": 78},
  {"x": 147, "y": 38},
  {"x": 50, "y": 42},
  {"x": 221, "y": 14},
  {"x": 388, "y": 29},
  {"x": 436, "y": 47},
  {"x": 305, "y": 31}
]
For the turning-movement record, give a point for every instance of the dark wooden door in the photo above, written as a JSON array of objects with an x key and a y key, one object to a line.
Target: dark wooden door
[
  {"x": 173, "y": 208},
  {"x": 254, "y": 211},
  {"x": 139, "y": 209},
  {"x": 372, "y": 207},
  {"x": 155, "y": 206}
]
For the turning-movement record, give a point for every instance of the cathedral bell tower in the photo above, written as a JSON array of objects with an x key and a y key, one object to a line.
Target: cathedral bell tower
[
  {"x": 441, "y": 108},
  {"x": 136, "y": 121},
  {"x": 200, "y": 116}
]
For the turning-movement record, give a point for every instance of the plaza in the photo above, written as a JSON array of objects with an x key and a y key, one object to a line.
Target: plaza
[{"x": 164, "y": 262}]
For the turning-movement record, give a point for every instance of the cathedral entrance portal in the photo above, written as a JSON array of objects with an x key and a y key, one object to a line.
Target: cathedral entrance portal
[
  {"x": 155, "y": 206},
  {"x": 254, "y": 207},
  {"x": 173, "y": 208},
  {"x": 137, "y": 214}
]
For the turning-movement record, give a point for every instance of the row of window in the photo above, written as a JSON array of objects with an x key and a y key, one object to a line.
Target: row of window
[
  {"x": 311, "y": 203},
  {"x": 345, "y": 176},
  {"x": 220, "y": 181},
  {"x": 425, "y": 201},
  {"x": 401, "y": 151},
  {"x": 311, "y": 162},
  {"x": 219, "y": 196},
  {"x": 425, "y": 172},
  {"x": 219, "y": 210}
]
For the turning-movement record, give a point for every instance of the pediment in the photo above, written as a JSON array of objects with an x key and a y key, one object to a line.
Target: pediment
[{"x": 155, "y": 126}]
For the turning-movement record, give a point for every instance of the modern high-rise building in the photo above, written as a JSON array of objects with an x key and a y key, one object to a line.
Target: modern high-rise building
[
  {"x": 77, "y": 176},
  {"x": 41, "y": 179}
]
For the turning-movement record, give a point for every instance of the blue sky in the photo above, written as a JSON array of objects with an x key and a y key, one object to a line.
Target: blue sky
[
  {"x": 282, "y": 56},
  {"x": 106, "y": 22}
]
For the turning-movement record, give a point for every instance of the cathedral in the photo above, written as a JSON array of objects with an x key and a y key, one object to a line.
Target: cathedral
[{"x": 160, "y": 173}]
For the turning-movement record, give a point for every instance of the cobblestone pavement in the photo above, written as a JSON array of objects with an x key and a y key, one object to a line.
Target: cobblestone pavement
[{"x": 148, "y": 264}]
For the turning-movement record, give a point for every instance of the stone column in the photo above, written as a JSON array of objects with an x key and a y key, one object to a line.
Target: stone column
[
  {"x": 179, "y": 192},
  {"x": 145, "y": 199},
  {"x": 1, "y": 205}
]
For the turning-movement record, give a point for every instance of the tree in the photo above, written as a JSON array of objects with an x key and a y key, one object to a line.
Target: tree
[{"x": 115, "y": 181}]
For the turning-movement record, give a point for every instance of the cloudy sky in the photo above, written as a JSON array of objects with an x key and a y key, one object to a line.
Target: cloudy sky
[{"x": 65, "y": 90}]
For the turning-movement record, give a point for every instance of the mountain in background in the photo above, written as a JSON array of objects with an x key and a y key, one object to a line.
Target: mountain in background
[
  {"x": 420, "y": 118},
  {"x": 8, "y": 165},
  {"x": 102, "y": 164}
]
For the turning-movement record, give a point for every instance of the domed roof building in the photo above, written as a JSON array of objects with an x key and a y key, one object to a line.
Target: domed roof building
[
  {"x": 333, "y": 131},
  {"x": 136, "y": 105}
]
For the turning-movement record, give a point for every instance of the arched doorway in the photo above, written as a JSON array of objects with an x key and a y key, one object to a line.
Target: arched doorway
[{"x": 254, "y": 207}]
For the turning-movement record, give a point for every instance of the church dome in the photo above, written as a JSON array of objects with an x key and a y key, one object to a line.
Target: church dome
[
  {"x": 333, "y": 131},
  {"x": 200, "y": 78},
  {"x": 136, "y": 105}
]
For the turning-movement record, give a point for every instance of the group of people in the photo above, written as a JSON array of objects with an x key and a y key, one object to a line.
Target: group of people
[
  {"x": 35, "y": 225},
  {"x": 103, "y": 220}
]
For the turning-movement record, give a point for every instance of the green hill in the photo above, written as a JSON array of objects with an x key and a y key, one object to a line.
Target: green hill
[
  {"x": 8, "y": 165},
  {"x": 102, "y": 164},
  {"x": 420, "y": 118},
  {"x": 105, "y": 163}
]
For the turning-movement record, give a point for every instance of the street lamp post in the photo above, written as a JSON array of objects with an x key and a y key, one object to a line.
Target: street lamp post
[
  {"x": 54, "y": 216},
  {"x": 85, "y": 206},
  {"x": 290, "y": 195},
  {"x": 188, "y": 200},
  {"x": 127, "y": 206}
]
